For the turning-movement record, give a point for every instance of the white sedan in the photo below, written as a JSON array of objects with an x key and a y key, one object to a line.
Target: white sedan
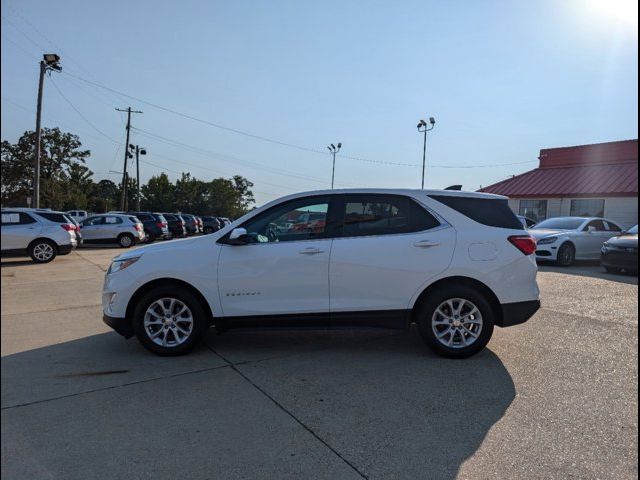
[{"x": 567, "y": 239}]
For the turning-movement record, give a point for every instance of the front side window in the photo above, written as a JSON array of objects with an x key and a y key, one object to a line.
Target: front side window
[
  {"x": 598, "y": 225},
  {"x": 533, "y": 209},
  {"x": 303, "y": 219},
  {"x": 587, "y": 208},
  {"x": 383, "y": 215}
]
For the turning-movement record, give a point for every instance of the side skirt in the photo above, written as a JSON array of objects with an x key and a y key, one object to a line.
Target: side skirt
[{"x": 392, "y": 319}]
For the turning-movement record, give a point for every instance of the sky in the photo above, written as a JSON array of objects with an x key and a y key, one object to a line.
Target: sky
[{"x": 261, "y": 89}]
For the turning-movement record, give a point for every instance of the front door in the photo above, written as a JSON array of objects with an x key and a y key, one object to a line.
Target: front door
[
  {"x": 593, "y": 238},
  {"x": 284, "y": 267},
  {"x": 386, "y": 249},
  {"x": 90, "y": 228}
]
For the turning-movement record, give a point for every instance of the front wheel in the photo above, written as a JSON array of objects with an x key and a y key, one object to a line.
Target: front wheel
[
  {"x": 613, "y": 270},
  {"x": 169, "y": 321},
  {"x": 566, "y": 255},
  {"x": 455, "y": 322}
]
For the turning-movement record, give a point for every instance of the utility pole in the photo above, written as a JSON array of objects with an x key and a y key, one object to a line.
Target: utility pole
[
  {"x": 139, "y": 151},
  {"x": 49, "y": 62},
  {"x": 334, "y": 149},
  {"x": 127, "y": 156},
  {"x": 422, "y": 127}
]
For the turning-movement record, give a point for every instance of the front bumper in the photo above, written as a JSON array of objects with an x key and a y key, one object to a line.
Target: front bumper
[
  {"x": 547, "y": 252},
  {"x": 121, "y": 325},
  {"x": 619, "y": 258},
  {"x": 517, "y": 313}
]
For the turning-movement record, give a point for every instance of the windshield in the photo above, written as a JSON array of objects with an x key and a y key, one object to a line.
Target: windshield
[
  {"x": 560, "y": 224},
  {"x": 633, "y": 230}
]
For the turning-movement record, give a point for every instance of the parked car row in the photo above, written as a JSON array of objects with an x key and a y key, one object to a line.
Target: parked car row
[
  {"x": 567, "y": 239},
  {"x": 43, "y": 234}
]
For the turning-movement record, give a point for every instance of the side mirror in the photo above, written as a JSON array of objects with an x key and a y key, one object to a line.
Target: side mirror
[{"x": 238, "y": 236}]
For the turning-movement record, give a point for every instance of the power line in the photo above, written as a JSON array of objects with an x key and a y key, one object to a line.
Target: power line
[{"x": 81, "y": 115}]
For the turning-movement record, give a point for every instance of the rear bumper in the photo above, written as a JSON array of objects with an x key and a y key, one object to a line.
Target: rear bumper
[
  {"x": 517, "y": 313},
  {"x": 65, "y": 249},
  {"x": 119, "y": 324}
]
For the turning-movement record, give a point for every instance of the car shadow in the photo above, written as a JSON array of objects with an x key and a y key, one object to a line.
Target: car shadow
[
  {"x": 16, "y": 263},
  {"x": 590, "y": 269},
  {"x": 381, "y": 400}
]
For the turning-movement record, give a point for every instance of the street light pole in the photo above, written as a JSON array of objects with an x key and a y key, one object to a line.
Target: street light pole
[
  {"x": 49, "y": 62},
  {"x": 334, "y": 149},
  {"x": 127, "y": 156},
  {"x": 423, "y": 128},
  {"x": 139, "y": 151}
]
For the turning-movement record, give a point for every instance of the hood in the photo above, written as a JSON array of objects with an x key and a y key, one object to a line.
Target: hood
[
  {"x": 160, "y": 247},
  {"x": 624, "y": 241},
  {"x": 539, "y": 233}
]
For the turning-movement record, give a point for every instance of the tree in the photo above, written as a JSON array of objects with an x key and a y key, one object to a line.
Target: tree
[
  {"x": 104, "y": 197},
  {"x": 158, "y": 194},
  {"x": 61, "y": 155}
]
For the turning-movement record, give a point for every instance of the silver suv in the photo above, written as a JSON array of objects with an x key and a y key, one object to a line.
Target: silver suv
[
  {"x": 42, "y": 234},
  {"x": 125, "y": 230}
]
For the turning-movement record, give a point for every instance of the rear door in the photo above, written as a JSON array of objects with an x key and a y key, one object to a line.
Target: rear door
[
  {"x": 386, "y": 248},
  {"x": 91, "y": 228}
]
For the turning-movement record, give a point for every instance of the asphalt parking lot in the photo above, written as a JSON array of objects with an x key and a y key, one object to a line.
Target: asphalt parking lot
[{"x": 553, "y": 398}]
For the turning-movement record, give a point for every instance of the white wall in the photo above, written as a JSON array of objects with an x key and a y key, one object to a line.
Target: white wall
[{"x": 623, "y": 210}]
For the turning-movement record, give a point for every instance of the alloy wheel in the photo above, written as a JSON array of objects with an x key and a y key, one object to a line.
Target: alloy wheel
[
  {"x": 168, "y": 322},
  {"x": 43, "y": 252},
  {"x": 457, "y": 323}
]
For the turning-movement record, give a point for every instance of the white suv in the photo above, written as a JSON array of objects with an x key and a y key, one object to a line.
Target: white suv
[
  {"x": 40, "y": 233},
  {"x": 454, "y": 263},
  {"x": 125, "y": 230}
]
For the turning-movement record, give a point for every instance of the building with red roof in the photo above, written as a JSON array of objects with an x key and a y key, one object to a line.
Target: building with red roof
[{"x": 599, "y": 180}]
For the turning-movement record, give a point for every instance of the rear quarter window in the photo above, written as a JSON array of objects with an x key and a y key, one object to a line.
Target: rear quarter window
[
  {"x": 54, "y": 217},
  {"x": 493, "y": 212}
]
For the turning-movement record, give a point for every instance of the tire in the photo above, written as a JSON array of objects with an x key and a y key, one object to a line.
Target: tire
[
  {"x": 447, "y": 336},
  {"x": 207, "y": 231},
  {"x": 175, "y": 341},
  {"x": 150, "y": 237},
  {"x": 613, "y": 270},
  {"x": 126, "y": 240},
  {"x": 566, "y": 255},
  {"x": 43, "y": 251}
]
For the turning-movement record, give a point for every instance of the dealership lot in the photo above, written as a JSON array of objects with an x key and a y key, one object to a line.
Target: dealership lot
[{"x": 553, "y": 398}]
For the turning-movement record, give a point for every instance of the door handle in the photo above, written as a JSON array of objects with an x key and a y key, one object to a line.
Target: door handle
[
  {"x": 426, "y": 244},
  {"x": 310, "y": 251}
]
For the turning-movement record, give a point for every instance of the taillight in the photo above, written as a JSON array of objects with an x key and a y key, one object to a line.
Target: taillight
[
  {"x": 525, "y": 243},
  {"x": 138, "y": 227},
  {"x": 69, "y": 227}
]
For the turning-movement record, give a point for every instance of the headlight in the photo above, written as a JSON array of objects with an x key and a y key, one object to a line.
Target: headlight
[
  {"x": 547, "y": 241},
  {"x": 118, "y": 265}
]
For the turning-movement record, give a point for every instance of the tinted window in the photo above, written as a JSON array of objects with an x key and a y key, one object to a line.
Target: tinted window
[
  {"x": 587, "y": 207},
  {"x": 487, "y": 211},
  {"x": 170, "y": 218},
  {"x": 93, "y": 221},
  {"x": 54, "y": 217},
  {"x": 297, "y": 220},
  {"x": 383, "y": 215},
  {"x": 134, "y": 220},
  {"x": 16, "y": 218},
  {"x": 160, "y": 218},
  {"x": 598, "y": 225},
  {"x": 613, "y": 227}
]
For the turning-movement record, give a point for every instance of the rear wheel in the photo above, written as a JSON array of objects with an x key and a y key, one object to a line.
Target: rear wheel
[
  {"x": 150, "y": 237},
  {"x": 455, "y": 322},
  {"x": 566, "y": 255},
  {"x": 43, "y": 251},
  {"x": 126, "y": 240},
  {"x": 169, "y": 321},
  {"x": 613, "y": 269}
]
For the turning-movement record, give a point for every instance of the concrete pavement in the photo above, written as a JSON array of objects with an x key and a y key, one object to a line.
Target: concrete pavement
[{"x": 553, "y": 398}]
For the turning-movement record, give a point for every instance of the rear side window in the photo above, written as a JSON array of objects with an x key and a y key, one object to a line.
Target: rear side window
[
  {"x": 487, "y": 211},
  {"x": 54, "y": 217},
  {"x": 383, "y": 215},
  {"x": 134, "y": 220},
  {"x": 145, "y": 217},
  {"x": 16, "y": 218},
  {"x": 108, "y": 220}
]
